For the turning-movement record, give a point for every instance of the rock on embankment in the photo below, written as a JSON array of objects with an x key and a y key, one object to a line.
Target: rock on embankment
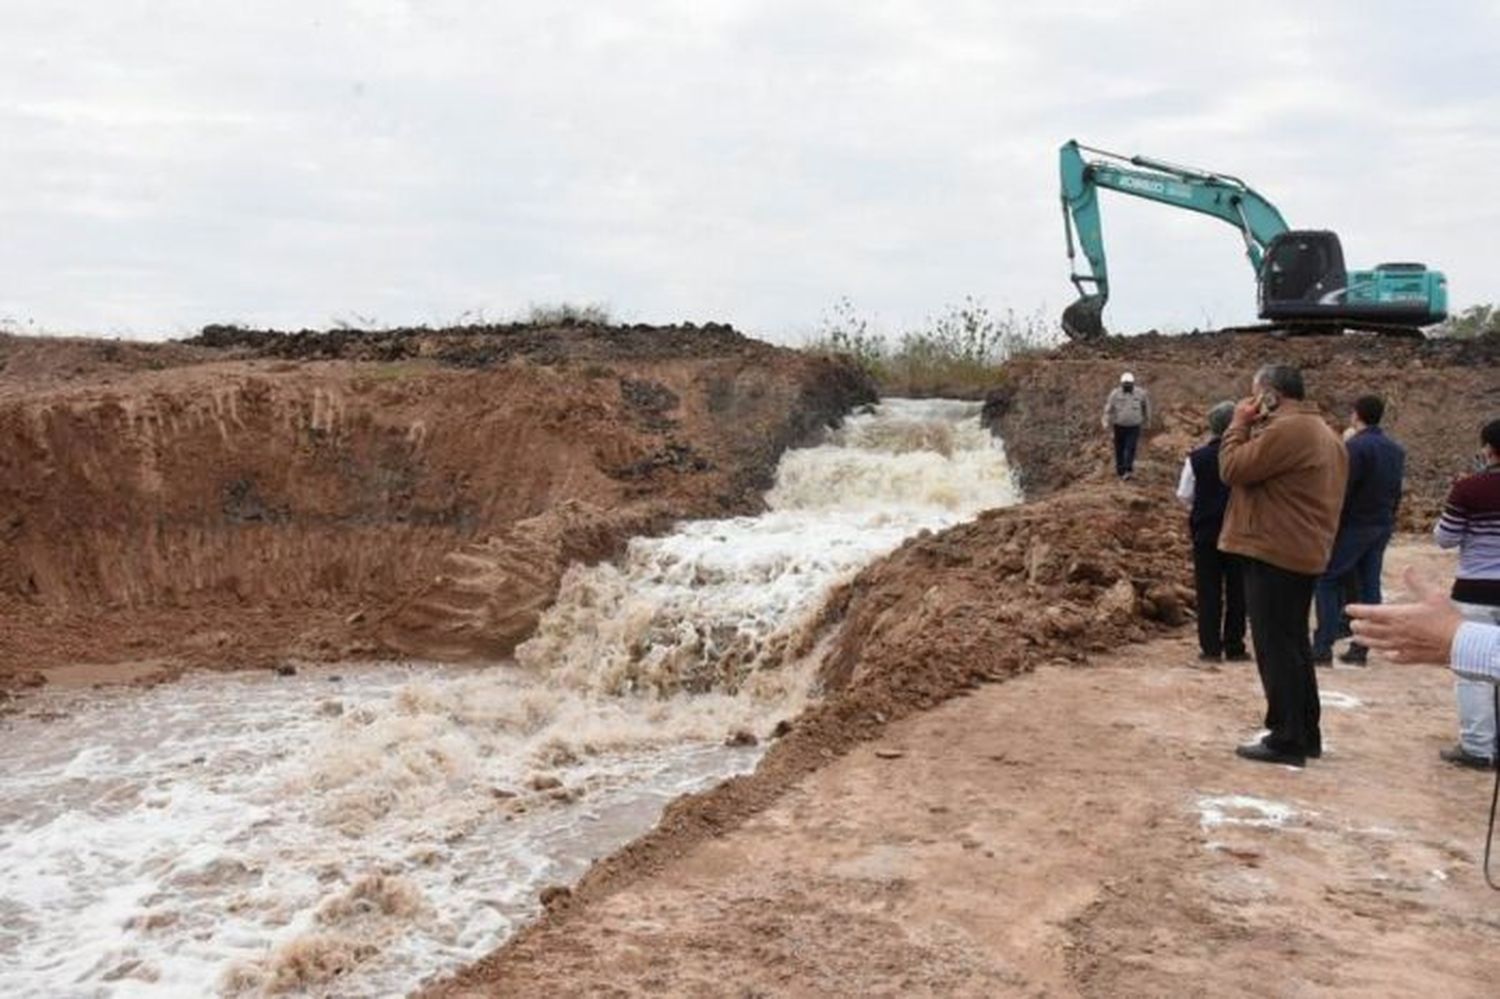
[
  {"x": 1438, "y": 394},
  {"x": 252, "y": 495}
]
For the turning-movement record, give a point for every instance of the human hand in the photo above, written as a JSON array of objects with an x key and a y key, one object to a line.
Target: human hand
[
  {"x": 1418, "y": 632},
  {"x": 1246, "y": 412}
]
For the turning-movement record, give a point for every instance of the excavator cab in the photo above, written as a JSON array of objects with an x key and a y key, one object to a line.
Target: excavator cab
[
  {"x": 1303, "y": 278},
  {"x": 1300, "y": 270}
]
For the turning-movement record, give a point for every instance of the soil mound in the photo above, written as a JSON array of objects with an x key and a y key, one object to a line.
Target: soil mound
[
  {"x": 484, "y": 346},
  {"x": 233, "y": 502},
  {"x": 1437, "y": 392}
]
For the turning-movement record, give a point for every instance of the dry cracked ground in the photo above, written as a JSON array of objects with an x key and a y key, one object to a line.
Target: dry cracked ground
[{"x": 1078, "y": 832}]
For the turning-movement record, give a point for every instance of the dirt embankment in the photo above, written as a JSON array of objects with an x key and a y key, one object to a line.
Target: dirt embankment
[
  {"x": 1045, "y": 582},
  {"x": 251, "y": 496},
  {"x": 1438, "y": 393}
]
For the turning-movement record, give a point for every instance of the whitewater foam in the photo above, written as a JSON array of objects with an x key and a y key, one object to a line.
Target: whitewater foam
[{"x": 252, "y": 834}]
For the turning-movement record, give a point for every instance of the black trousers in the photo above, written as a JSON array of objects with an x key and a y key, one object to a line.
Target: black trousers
[
  {"x": 1126, "y": 439},
  {"x": 1221, "y": 599},
  {"x": 1279, "y": 601}
]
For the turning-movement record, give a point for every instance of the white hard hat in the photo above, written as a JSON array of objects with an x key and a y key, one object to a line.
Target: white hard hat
[{"x": 1126, "y": 377}]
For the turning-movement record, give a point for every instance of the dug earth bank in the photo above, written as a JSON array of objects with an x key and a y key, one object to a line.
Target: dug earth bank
[
  {"x": 1083, "y": 828},
  {"x": 255, "y": 499},
  {"x": 1014, "y": 782}
]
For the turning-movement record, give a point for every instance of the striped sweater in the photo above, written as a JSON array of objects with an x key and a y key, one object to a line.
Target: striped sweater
[{"x": 1471, "y": 523}]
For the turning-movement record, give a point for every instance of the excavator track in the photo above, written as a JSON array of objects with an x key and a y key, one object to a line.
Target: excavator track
[{"x": 1330, "y": 327}]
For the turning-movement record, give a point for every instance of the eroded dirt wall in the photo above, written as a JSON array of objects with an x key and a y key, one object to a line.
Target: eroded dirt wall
[{"x": 251, "y": 507}]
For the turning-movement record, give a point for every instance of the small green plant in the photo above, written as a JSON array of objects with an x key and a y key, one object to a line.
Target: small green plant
[
  {"x": 844, "y": 331},
  {"x": 569, "y": 314},
  {"x": 1470, "y": 324},
  {"x": 957, "y": 352}
]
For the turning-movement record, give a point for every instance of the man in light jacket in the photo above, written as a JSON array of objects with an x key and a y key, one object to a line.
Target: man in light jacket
[
  {"x": 1286, "y": 471},
  {"x": 1127, "y": 411}
]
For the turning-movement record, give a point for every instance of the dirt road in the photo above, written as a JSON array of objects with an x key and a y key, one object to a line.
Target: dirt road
[{"x": 1077, "y": 831}]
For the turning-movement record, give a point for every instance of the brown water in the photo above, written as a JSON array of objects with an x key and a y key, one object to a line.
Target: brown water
[{"x": 352, "y": 832}]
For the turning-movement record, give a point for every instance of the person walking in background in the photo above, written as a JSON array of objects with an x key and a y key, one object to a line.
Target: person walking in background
[
  {"x": 1286, "y": 473},
  {"x": 1127, "y": 411},
  {"x": 1377, "y": 466},
  {"x": 1216, "y": 576},
  {"x": 1471, "y": 523}
]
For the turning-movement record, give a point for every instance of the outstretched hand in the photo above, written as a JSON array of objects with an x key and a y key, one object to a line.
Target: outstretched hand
[{"x": 1417, "y": 632}]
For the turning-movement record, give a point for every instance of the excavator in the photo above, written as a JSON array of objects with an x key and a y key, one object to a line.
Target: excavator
[{"x": 1304, "y": 287}]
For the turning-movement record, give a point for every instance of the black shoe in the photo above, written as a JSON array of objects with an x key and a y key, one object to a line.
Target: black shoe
[
  {"x": 1323, "y": 658},
  {"x": 1262, "y": 753},
  {"x": 1354, "y": 655},
  {"x": 1239, "y": 656},
  {"x": 1208, "y": 657},
  {"x": 1461, "y": 757}
]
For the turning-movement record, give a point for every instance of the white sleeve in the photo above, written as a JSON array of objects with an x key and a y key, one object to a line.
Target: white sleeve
[
  {"x": 1476, "y": 651},
  {"x": 1186, "y": 483}
]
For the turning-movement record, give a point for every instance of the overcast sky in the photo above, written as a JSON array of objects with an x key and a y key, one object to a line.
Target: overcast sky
[{"x": 168, "y": 164}]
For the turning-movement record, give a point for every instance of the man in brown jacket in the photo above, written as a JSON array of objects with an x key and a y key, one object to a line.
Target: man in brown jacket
[{"x": 1286, "y": 472}]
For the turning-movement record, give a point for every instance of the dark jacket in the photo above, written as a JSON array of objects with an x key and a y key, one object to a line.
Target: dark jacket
[
  {"x": 1376, "y": 467},
  {"x": 1210, "y": 495}
]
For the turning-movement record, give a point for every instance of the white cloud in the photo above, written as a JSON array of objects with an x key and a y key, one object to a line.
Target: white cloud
[{"x": 171, "y": 164}]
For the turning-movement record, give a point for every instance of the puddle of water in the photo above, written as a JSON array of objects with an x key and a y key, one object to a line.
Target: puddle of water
[{"x": 250, "y": 834}]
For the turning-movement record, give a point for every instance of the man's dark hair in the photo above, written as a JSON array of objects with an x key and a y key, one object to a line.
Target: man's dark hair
[
  {"x": 1491, "y": 434},
  {"x": 1369, "y": 409},
  {"x": 1285, "y": 379}
]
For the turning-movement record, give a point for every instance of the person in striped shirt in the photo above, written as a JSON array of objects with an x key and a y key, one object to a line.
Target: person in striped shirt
[{"x": 1471, "y": 523}]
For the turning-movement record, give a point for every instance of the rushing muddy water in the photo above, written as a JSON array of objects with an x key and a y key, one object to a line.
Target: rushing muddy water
[{"x": 356, "y": 831}]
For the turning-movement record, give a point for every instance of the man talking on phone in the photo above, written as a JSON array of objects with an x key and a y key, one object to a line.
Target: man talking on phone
[{"x": 1286, "y": 472}]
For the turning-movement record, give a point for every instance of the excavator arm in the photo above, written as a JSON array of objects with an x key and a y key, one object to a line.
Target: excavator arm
[{"x": 1225, "y": 198}]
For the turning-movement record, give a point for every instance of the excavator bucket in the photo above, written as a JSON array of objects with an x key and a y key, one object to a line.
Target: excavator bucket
[{"x": 1084, "y": 319}]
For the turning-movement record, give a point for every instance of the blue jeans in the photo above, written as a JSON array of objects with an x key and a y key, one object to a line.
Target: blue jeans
[{"x": 1360, "y": 550}]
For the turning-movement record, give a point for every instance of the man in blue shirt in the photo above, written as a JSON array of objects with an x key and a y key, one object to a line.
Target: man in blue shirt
[{"x": 1377, "y": 465}]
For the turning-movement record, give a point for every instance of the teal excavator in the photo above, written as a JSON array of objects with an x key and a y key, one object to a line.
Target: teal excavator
[{"x": 1303, "y": 284}]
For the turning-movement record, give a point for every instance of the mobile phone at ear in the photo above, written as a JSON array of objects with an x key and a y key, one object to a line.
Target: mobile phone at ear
[{"x": 1268, "y": 402}]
